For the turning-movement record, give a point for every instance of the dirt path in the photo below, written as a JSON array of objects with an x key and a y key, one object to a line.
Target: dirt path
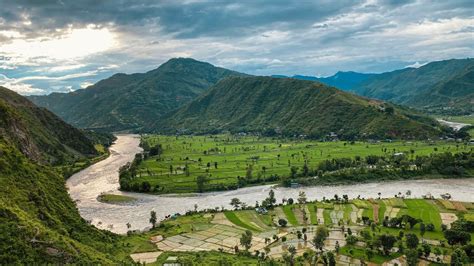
[{"x": 376, "y": 212}]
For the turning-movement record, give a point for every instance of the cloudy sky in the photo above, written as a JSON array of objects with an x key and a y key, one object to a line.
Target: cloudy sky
[{"x": 60, "y": 45}]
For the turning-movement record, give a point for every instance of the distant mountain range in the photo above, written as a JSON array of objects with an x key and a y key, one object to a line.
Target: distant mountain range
[
  {"x": 439, "y": 87},
  {"x": 290, "y": 106},
  {"x": 150, "y": 101},
  {"x": 343, "y": 80},
  {"x": 128, "y": 102}
]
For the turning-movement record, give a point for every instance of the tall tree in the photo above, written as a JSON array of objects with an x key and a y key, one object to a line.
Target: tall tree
[
  {"x": 246, "y": 239},
  {"x": 153, "y": 218}
]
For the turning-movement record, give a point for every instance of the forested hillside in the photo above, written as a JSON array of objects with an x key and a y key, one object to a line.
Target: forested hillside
[{"x": 289, "y": 106}]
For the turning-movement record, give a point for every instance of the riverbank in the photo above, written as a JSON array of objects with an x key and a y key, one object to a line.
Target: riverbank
[{"x": 85, "y": 186}]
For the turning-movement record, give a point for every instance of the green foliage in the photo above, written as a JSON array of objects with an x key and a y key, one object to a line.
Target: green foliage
[
  {"x": 39, "y": 223},
  {"x": 441, "y": 87},
  {"x": 39, "y": 134},
  {"x": 247, "y": 104},
  {"x": 136, "y": 101}
]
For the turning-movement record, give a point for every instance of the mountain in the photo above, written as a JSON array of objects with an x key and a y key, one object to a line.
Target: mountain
[
  {"x": 39, "y": 134},
  {"x": 39, "y": 223},
  {"x": 290, "y": 106},
  {"x": 443, "y": 86},
  {"x": 345, "y": 80},
  {"x": 129, "y": 102}
]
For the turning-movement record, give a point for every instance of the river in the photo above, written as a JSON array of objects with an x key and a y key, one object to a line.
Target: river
[{"x": 85, "y": 186}]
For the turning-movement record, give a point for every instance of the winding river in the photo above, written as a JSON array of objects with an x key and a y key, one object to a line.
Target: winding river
[{"x": 85, "y": 186}]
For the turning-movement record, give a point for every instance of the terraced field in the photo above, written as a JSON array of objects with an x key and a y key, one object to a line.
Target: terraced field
[{"x": 222, "y": 230}]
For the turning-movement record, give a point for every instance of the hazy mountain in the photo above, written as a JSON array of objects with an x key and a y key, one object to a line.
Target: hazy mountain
[
  {"x": 38, "y": 133},
  {"x": 343, "y": 80},
  {"x": 446, "y": 86},
  {"x": 125, "y": 102},
  {"x": 292, "y": 106}
]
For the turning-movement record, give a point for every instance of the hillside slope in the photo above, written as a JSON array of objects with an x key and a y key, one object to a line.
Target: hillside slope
[
  {"x": 38, "y": 133},
  {"x": 291, "y": 106},
  {"x": 129, "y": 102},
  {"x": 438, "y": 86},
  {"x": 39, "y": 223}
]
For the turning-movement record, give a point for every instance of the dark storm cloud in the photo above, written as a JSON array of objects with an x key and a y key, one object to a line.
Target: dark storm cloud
[
  {"x": 185, "y": 19},
  {"x": 258, "y": 37}
]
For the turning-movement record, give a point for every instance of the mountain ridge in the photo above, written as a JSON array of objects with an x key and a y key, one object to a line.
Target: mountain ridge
[
  {"x": 131, "y": 101},
  {"x": 290, "y": 106}
]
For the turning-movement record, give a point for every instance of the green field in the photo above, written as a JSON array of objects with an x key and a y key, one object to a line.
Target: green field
[
  {"x": 224, "y": 158},
  {"x": 189, "y": 231}
]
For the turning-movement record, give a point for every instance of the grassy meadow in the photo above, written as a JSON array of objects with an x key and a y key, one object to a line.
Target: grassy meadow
[{"x": 224, "y": 158}]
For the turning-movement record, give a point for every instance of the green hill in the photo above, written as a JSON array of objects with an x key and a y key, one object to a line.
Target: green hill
[
  {"x": 291, "y": 106},
  {"x": 39, "y": 223},
  {"x": 129, "y": 102},
  {"x": 39, "y": 134},
  {"x": 443, "y": 86}
]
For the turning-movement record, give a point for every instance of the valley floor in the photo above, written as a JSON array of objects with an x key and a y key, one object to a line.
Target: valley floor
[{"x": 230, "y": 161}]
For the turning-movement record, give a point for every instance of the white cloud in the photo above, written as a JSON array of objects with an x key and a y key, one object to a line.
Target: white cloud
[{"x": 21, "y": 88}]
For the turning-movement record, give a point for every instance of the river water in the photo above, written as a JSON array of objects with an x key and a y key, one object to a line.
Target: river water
[{"x": 85, "y": 186}]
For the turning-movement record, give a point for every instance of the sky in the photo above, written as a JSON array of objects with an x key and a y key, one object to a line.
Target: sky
[{"x": 59, "y": 45}]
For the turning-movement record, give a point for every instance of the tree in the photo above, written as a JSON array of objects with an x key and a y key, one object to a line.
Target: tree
[
  {"x": 282, "y": 222},
  {"x": 426, "y": 249},
  {"x": 271, "y": 198},
  {"x": 411, "y": 241},
  {"x": 201, "y": 181},
  {"x": 248, "y": 174},
  {"x": 215, "y": 165},
  {"x": 235, "y": 202},
  {"x": 457, "y": 237},
  {"x": 302, "y": 197},
  {"x": 321, "y": 234},
  {"x": 331, "y": 260},
  {"x": 351, "y": 240},
  {"x": 369, "y": 253},
  {"x": 459, "y": 257},
  {"x": 153, "y": 218},
  {"x": 246, "y": 239},
  {"x": 387, "y": 242},
  {"x": 422, "y": 230},
  {"x": 292, "y": 251},
  {"x": 412, "y": 257}
]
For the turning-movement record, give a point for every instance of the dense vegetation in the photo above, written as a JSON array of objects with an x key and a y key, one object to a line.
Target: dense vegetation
[
  {"x": 39, "y": 223},
  {"x": 441, "y": 87},
  {"x": 183, "y": 164},
  {"x": 275, "y": 106},
  {"x": 41, "y": 135},
  {"x": 129, "y": 102},
  {"x": 378, "y": 168}
]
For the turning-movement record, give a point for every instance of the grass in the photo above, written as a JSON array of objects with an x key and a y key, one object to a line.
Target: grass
[
  {"x": 206, "y": 258},
  {"x": 469, "y": 216},
  {"x": 447, "y": 204},
  {"x": 327, "y": 217},
  {"x": 112, "y": 198},
  {"x": 267, "y": 156},
  {"x": 359, "y": 253},
  {"x": 369, "y": 213},
  {"x": 312, "y": 213},
  {"x": 288, "y": 210},
  {"x": 231, "y": 216},
  {"x": 382, "y": 209}
]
